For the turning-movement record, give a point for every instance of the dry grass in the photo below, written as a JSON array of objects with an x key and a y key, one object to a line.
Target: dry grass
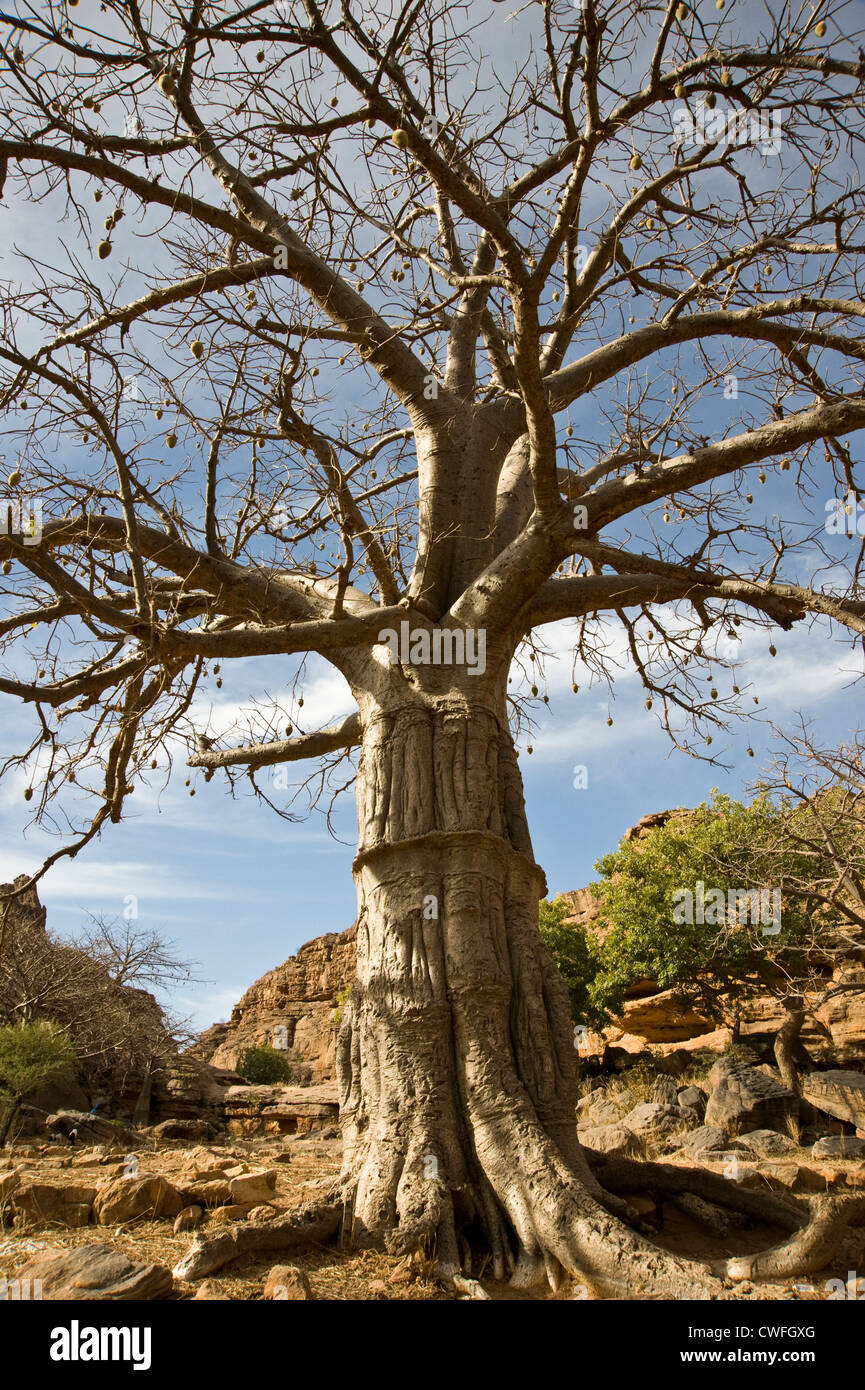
[{"x": 333, "y": 1274}]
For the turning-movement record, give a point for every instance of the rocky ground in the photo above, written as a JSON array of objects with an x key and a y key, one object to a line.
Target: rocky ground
[
  {"x": 303, "y": 1169},
  {"x": 101, "y": 1202}
]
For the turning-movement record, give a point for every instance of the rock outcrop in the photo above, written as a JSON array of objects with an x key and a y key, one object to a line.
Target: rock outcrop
[
  {"x": 185, "y": 1088},
  {"x": 837, "y": 1093},
  {"x": 251, "y": 1110},
  {"x": 299, "y": 996},
  {"x": 652, "y": 1017},
  {"x": 745, "y": 1098}
]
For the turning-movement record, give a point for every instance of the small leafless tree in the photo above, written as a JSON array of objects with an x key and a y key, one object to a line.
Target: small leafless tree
[
  {"x": 133, "y": 954},
  {"x": 422, "y": 314}
]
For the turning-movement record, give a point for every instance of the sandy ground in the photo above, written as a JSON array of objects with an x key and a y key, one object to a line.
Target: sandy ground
[{"x": 333, "y": 1274}]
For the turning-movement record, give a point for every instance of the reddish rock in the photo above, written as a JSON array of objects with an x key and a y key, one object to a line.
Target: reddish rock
[
  {"x": 96, "y": 1272},
  {"x": 130, "y": 1199},
  {"x": 287, "y": 1283},
  {"x": 299, "y": 995},
  {"x": 42, "y": 1202}
]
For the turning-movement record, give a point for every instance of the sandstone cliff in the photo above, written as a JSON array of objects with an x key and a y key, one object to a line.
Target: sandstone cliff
[{"x": 300, "y": 995}]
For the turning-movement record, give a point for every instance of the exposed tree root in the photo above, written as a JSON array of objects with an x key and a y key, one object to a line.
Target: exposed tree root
[
  {"x": 207, "y": 1254},
  {"x": 595, "y": 1247},
  {"x": 622, "y": 1175},
  {"x": 808, "y": 1250},
  {"x": 716, "y": 1219},
  {"x": 468, "y": 1288}
]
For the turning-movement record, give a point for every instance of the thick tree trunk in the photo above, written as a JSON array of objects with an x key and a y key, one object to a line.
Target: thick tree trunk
[
  {"x": 455, "y": 1054},
  {"x": 786, "y": 1040}
]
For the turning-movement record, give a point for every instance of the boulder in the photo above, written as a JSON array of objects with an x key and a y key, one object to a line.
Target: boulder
[
  {"x": 210, "y": 1292},
  {"x": 692, "y": 1098},
  {"x": 96, "y": 1272},
  {"x": 206, "y": 1175},
  {"x": 768, "y": 1143},
  {"x": 263, "y": 1213},
  {"x": 199, "y": 1165},
  {"x": 206, "y": 1194},
  {"x": 780, "y": 1177},
  {"x": 223, "y": 1216},
  {"x": 42, "y": 1202},
  {"x": 745, "y": 1098},
  {"x": 611, "y": 1139},
  {"x": 651, "y": 1121},
  {"x": 837, "y": 1093},
  {"x": 839, "y": 1146},
  {"x": 90, "y": 1129},
  {"x": 619, "y": 1058},
  {"x": 182, "y": 1129},
  {"x": 128, "y": 1199},
  {"x": 703, "y": 1140},
  {"x": 254, "y": 1188},
  {"x": 188, "y": 1219},
  {"x": 671, "y": 1063},
  {"x": 664, "y": 1091},
  {"x": 603, "y": 1112},
  {"x": 287, "y": 1283}
]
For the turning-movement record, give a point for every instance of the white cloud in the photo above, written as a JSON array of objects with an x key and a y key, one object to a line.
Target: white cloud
[
  {"x": 810, "y": 668},
  {"x": 80, "y": 881},
  {"x": 214, "y": 1006}
]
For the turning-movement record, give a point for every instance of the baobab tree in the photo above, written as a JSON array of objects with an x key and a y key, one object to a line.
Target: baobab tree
[{"x": 457, "y": 322}]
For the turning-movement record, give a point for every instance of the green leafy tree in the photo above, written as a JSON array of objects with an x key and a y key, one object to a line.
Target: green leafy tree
[
  {"x": 576, "y": 954},
  {"x": 31, "y": 1055},
  {"x": 690, "y": 907},
  {"x": 264, "y": 1066}
]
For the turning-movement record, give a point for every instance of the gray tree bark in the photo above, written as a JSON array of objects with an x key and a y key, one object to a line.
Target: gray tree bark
[{"x": 455, "y": 1053}]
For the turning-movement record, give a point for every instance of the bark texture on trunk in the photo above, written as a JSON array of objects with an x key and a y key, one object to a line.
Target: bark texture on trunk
[
  {"x": 455, "y": 1054},
  {"x": 786, "y": 1040}
]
